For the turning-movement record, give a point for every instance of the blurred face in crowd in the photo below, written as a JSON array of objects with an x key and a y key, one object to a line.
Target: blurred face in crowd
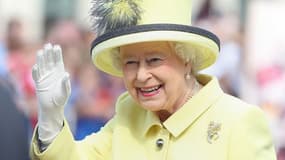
[
  {"x": 15, "y": 35},
  {"x": 154, "y": 75}
]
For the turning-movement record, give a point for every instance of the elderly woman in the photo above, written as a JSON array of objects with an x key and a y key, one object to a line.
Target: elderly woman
[{"x": 169, "y": 111}]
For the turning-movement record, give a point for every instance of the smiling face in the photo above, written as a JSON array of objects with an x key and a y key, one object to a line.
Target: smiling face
[{"x": 154, "y": 75}]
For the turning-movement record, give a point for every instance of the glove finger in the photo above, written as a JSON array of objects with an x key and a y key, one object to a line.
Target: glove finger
[
  {"x": 35, "y": 73},
  {"x": 61, "y": 99},
  {"x": 48, "y": 56},
  {"x": 66, "y": 84},
  {"x": 58, "y": 57},
  {"x": 54, "y": 56},
  {"x": 40, "y": 63}
]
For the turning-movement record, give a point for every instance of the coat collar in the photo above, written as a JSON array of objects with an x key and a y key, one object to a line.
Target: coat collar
[{"x": 190, "y": 111}]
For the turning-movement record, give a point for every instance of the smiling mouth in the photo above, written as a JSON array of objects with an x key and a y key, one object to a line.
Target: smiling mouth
[{"x": 150, "y": 91}]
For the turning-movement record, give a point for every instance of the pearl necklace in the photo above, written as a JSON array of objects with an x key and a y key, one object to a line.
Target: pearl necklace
[{"x": 196, "y": 87}]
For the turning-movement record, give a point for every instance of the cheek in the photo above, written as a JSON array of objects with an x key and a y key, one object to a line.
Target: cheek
[
  {"x": 171, "y": 74},
  {"x": 128, "y": 82},
  {"x": 129, "y": 74},
  {"x": 174, "y": 81}
]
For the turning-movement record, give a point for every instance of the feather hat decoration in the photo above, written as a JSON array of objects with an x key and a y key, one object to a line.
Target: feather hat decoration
[{"x": 108, "y": 15}]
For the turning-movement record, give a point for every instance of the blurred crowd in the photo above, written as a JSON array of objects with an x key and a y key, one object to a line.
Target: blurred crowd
[{"x": 94, "y": 93}]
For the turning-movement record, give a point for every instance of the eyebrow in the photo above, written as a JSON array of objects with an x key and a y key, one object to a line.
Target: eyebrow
[
  {"x": 127, "y": 55},
  {"x": 150, "y": 51},
  {"x": 147, "y": 55}
]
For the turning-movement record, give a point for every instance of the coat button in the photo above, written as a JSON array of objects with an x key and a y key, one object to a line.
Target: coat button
[{"x": 159, "y": 143}]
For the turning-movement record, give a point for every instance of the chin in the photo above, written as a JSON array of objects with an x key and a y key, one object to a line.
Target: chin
[{"x": 152, "y": 106}]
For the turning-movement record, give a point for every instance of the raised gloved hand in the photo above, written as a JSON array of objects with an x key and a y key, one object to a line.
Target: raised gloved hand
[{"x": 52, "y": 89}]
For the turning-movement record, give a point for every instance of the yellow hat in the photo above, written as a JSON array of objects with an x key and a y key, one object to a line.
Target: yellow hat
[{"x": 122, "y": 22}]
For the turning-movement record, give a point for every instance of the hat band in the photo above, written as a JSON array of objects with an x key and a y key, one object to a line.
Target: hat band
[{"x": 155, "y": 27}]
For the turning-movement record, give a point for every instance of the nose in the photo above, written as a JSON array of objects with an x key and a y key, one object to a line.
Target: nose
[{"x": 143, "y": 73}]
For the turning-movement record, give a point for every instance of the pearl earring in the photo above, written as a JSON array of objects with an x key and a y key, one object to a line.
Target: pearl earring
[{"x": 188, "y": 77}]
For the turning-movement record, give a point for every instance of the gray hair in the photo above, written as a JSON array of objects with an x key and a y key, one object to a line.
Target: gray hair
[{"x": 187, "y": 53}]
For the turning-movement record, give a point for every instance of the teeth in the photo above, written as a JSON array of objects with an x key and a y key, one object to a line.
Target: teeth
[{"x": 150, "y": 89}]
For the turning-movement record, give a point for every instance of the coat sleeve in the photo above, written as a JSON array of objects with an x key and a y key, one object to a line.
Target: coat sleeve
[
  {"x": 64, "y": 147},
  {"x": 250, "y": 138}
]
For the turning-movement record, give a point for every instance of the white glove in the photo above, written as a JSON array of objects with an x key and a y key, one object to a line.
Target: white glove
[{"x": 52, "y": 89}]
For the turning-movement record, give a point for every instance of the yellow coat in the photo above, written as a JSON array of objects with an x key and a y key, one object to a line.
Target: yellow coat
[{"x": 210, "y": 126}]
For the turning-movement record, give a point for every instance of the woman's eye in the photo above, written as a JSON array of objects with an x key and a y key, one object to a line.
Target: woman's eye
[
  {"x": 155, "y": 61},
  {"x": 130, "y": 62}
]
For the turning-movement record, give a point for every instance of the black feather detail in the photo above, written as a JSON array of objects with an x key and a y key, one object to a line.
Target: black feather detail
[{"x": 107, "y": 15}]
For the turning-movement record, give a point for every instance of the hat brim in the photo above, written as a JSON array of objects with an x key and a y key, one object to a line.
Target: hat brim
[{"x": 206, "y": 43}]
